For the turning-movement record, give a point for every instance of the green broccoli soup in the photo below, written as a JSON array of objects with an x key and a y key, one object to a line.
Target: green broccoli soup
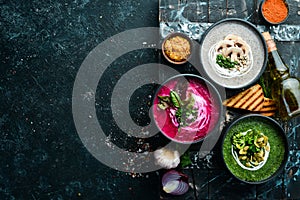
[{"x": 254, "y": 149}]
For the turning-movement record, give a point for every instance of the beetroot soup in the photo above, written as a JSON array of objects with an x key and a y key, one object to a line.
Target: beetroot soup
[{"x": 182, "y": 109}]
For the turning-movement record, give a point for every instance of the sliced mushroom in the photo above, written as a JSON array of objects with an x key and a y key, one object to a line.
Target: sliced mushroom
[
  {"x": 234, "y": 53},
  {"x": 244, "y": 157},
  {"x": 223, "y": 45},
  {"x": 265, "y": 140},
  {"x": 246, "y": 148},
  {"x": 261, "y": 139},
  {"x": 255, "y": 163},
  {"x": 232, "y": 37},
  {"x": 242, "y": 45},
  {"x": 248, "y": 164},
  {"x": 260, "y": 154},
  {"x": 242, "y": 152},
  {"x": 256, "y": 143}
]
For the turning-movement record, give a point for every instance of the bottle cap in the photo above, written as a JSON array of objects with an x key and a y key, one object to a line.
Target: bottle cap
[{"x": 267, "y": 36}]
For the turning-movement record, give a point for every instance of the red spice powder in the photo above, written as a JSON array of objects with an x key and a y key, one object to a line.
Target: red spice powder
[{"x": 275, "y": 11}]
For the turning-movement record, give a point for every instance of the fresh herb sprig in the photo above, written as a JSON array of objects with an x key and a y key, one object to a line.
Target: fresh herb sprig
[
  {"x": 185, "y": 114},
  {"x": 266, "y": 90},
  {"x": 240, "y": 140},
  {"x": 185, "y": 160},
  {"x": 224, "y": 62},
  {"x": 175, "y": 99}
]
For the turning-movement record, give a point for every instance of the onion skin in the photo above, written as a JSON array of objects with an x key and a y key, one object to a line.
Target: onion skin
[{"x": 175, "y": 183}]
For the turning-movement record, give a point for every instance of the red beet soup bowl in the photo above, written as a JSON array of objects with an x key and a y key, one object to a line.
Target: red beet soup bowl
[{"x": 187, "y": 108}]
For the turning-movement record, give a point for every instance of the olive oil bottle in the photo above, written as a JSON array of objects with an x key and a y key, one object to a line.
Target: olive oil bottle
[{"x": 285, "y": 89}]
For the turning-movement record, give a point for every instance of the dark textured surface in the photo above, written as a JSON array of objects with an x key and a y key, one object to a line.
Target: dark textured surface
[{"x": 43, "y": 44}]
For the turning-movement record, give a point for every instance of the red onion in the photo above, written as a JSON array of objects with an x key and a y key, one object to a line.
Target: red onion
[{"x": 175, "y": 183}]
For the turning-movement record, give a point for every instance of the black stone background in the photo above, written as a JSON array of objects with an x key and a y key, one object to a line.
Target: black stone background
[{"x": 43, "y": 44}]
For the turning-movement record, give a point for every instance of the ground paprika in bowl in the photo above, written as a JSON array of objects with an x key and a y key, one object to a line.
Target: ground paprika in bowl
[{"x": 275, "y": 11}]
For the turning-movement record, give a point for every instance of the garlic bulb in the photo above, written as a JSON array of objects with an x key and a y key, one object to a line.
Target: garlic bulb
[{"x": 167, "y": 158}]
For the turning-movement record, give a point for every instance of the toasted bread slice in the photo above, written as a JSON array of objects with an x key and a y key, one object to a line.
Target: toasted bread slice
[
  {"x": 251, "y": 99},
  {"x": 269, "y": 107}
]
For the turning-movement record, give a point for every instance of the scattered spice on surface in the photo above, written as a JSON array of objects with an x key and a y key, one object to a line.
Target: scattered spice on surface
[{"x": 275, "y": 11}]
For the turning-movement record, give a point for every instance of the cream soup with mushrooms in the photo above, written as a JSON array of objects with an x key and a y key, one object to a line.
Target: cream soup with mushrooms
[{"x": 231, "y": 56}]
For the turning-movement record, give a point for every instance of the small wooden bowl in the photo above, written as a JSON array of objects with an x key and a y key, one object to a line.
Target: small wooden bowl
[
  {"x": 270, "y": 22},
  {"x": 173, "y": 35}
]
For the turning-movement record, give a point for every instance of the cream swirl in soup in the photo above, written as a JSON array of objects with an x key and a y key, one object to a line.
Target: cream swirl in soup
[{"x": 182, "y": 111}]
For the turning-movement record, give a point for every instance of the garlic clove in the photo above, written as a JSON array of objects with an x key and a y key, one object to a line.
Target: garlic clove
[{"x": 167, "y": 158}]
